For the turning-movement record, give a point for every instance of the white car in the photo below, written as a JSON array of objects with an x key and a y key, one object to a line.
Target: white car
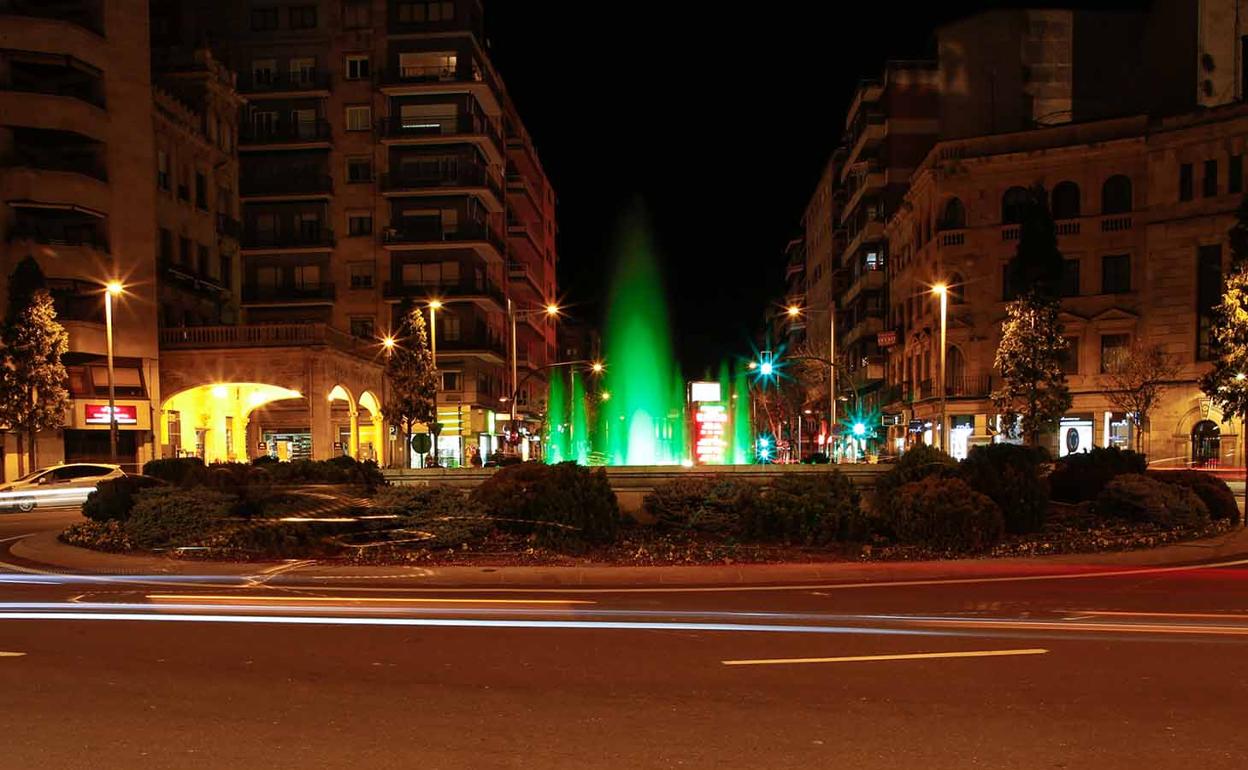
[{"x": 61, "y": 485}]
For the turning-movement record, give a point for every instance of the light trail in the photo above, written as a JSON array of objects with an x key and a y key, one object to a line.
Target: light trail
[
  {"x": 901, "y": 656},
  {"x": 358, "y": 599}
]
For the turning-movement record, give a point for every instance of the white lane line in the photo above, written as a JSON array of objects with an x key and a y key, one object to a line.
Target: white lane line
[
  {"x": 907, "y": 656},
  {"x": 1196, "y": 615},
  {"x": 244, "y": 598},
  {"x": 4, "y": 654}
]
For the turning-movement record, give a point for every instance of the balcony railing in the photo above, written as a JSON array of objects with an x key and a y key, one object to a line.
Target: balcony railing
[
  {"x": 416, "y": 74},
  {"x": 266, "y": 239},
  {"x": 435, "y": 233},
  {"x": 55, "y": 76},
  {"x": 1116, "y": 223},
  {"x": 261, "y": 81},
  {"x": 60, "y": 235},
  {"x": 285, "y": 132},
  {"x": 308, "y": 292},
  {"x": 398, "y": 289},
  {"x": 286, "y": 183},
  {"x": 397, "y": 127},
  {"x": 952, "y": 238},
  {"x": 263, "y": 335},
  {"x": 465, "y": 176},
  {"x": 478, "y": 342},
  {"x": 87, "y": 14},
  {"x": 964, "y": 386},
  {"x": 59, "y": 159}
]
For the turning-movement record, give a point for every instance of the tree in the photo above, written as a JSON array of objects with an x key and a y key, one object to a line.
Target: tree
[
  {"x": 1137, "y": 381},
  {"x": 1032, "y": 348},
  {"x": 413, "y": 379},
  {"x": 1227, "y": 383},
  {"x": 33, "y": 396}
]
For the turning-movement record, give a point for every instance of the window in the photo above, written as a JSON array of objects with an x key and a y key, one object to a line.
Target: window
[
  {"x": 264, "y": 71},
  {"x": 449, "y": 326},
  {"x": 184, "y": 251},
  {"x": 201, "y": 192},
  {"x": 166, "y": 244},
  {"x": 450, "y": 380},
  {"x": 1115, "y": 273},
  {"x": 303, "y": 71},
  {"x": 201, "y": 259},
  {"x": 359, "y": 118},
  {"x": 225, "y": 269},
  {"x": 305, "y": 123},
  {"x": 303, "y": 17},
  {"x": 1070, "y": 278},
  {"x": 1013, "y": 203},
  {"x": 433, "y": 65},
  {"x": 310, "y": 227},
  {"x": 175, "y": 430},
  {"x": 1066, "y": 200},
  {"x": 268, "y": 277},
  {"x": 358, "y": 67},
  {"x": 953, "y": 217},
  {"x": 1235, "y": 174},
  {"x": 1116, "y": 195},
  {"x": 1114, "y": 349},
  {"x": 430, "y": 273},
  {"x": 357, "y": 14},
  {"x": 162, "y": 170},
  {"x": 362, "y": 327},
  {"x": 184, "y": 187},
  {"x": 1185, "y": 182},
  {"x": 361, "y": 275},
  {"x": 307, "y": 276},
  {"x": 263, "y": 19},
  {"x": 360, "y": 224},
  {"x": 1070, "y": 358},
  {"x": 1210, "y": 186},
  {"x": 1208, "y": 295},
  {"x": 428, "y": 118},
  {"x": 360, "y": 169},
  {"x": 420, "y": 12}
]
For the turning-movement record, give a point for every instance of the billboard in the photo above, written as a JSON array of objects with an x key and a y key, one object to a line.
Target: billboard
[
  {"x": 97, "y": 414},
  {"x": 710, "y": 431}
]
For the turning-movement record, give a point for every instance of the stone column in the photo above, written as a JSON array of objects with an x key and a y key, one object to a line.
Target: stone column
[
  {"x": 320, "y": 416},
  {"x": 353, "y": 448}
]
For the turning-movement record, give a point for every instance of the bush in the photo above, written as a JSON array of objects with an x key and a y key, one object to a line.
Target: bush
[
  {"x": 711, "y": 504},
  {"x": 276, "y": 539},
  {"x": 807, "y": 508},
  {"x": 562, "y": 505},
  {"x": 946, "y": 514},
  {"x": 1010, "y": 475},
  {"x": 425, "y": 503},
  {"x": 1138, "y": 498},
  {"x": 913, "y": 465},
  {"x": 183, "y": 471},
  {"x": 113, "y": 499},
  {"x": 170, "y": 518},
  {"x": 101, "y": 535},
  {"x": 1211, "y": 489},
  {"x": 1080, "y": 477}
]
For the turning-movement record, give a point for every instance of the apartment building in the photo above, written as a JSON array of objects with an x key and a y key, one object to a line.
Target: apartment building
[{"x": 77, "y": 160}]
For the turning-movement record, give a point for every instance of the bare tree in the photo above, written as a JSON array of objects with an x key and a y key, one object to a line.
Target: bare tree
[{"x": 1137, "y": 380}]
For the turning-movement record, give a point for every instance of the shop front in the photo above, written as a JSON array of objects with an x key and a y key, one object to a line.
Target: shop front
[{"x": 86, "y": 432}]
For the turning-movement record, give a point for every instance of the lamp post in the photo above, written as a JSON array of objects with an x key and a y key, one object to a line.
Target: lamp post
[
  {"x": 111, "y": 289},
  {"x": 942, "y": 291},
  {"x": 794, "y": 311},
  {"x": 551, "y": 311}
]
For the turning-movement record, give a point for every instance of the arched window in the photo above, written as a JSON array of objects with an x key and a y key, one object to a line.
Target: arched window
[
  {"x": 955, "y": 371},
  {"x": 1013, "y": 203},
  {"x": 1066, "y": 200},
  {"x": 1116, "y": 195},
  {"x": 957, "y": 289},
  {"x": 1206, "y": 443},
  {"x": 953, "y": 216}
]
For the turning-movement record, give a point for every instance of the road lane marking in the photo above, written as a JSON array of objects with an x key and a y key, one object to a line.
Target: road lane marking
[
  {"x": 243, "y": 598},
  {"x": 4, "y": 654},
  {"x": 906, "y": 656},
  {"x": 1194, "y": 615}
]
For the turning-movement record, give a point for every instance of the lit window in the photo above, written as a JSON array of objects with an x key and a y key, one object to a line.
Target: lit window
[
  {"x": 359, "y": 118},
  {"x": 358, "y": 67}
]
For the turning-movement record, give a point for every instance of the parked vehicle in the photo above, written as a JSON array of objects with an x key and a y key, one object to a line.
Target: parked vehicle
[{"x": 61, "y": 485}]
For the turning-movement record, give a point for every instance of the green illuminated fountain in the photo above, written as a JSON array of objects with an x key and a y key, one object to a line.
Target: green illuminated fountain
[
  {"x": 557, "y": 419},
  {"x": 578, "y": 439},
  {"x": 742, "y": 440}
]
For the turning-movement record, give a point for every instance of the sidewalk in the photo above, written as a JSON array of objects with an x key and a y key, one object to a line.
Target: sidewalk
[{"x": 50, "y": 555}]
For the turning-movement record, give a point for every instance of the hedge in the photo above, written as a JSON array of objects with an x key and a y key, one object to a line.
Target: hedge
[
  {"x": 946, "y": 514},
  {"x": 1011, "y": 475},
  {"x": 1210, "y": 488},
  {"x": 1136, "y": 497},
  {"x": 1080, "y": 477}
]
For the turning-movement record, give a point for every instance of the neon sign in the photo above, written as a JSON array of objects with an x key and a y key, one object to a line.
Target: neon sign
[
  {"x": 97, "y": 414},
  {"x": 709, "y": 445}
]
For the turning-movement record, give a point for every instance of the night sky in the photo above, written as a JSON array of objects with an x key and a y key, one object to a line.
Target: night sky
[{"x": 718, "y": 117}]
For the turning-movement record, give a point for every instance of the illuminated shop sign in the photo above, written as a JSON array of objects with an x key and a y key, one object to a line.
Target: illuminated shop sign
[
  {"x": 704, "y": 391},
  {"x": 97, "y": 414},
  {"x": 710, "y": 421}
]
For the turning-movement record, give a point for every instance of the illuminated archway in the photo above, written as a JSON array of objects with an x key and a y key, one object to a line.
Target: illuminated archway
[
  {"x": 372, "y": 434},
  {"x": 210, "y": 421}
]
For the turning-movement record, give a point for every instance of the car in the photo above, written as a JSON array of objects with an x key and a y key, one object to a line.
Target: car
[{"x": 67, "y": 484}]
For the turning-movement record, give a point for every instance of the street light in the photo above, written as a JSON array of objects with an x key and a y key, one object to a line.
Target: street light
[
  {"x": 597, "y": 367},
  {"x": 551, "y": 310},
  {"x": 387, "y": 342},
  {"x": 794, "y": 311},
  {"x": 941, "y": 290},
  {"x": 606, "y": 395},
  {"x": 111, "y": 289}
]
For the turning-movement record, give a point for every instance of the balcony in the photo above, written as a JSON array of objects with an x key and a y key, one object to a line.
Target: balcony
[
  {"x": 962, "y": 386},
  {"x": 312, "y": 238},
  {"x": 525, "y": 231},
  {"x": 479, "y": 343},
  {"x": 288, "y": 184},
  {"x": 867, "y": 280},
  {"x": 51, "y": 74},
  {"x": 1116, "y": 223},
  {"x": 951, "y": 238},
  {"x": 189, "y": 278},
  {"x": 484, "y": 293},
  {"x": 87, "y": 160},
  {"x": 867, "y": 325},
  {"x": 898, "y": 393},
  {"x": 300, "y": 335},
  {"x": 229, "y": 227},
  {"x": 519, "y": 272},
  {"x": 271, "y": 83},
  {"x": 285, "y": 132},
  {"x": 58, "y": 234},
  {"x": 433, "y": 235},
  {"x": 290, "y": 294},
  {"x": 523, "y": 186},
  {"x": 466, "y": 177},
  {"x": 438, "y": 78},
  {"x": 867, "y": 130},
  {"x": 87, "y": 14},
  {"x": 400, "y": 130}
]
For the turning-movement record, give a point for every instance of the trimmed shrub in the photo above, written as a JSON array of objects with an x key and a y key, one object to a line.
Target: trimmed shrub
[
  {"x": 1211, "y": 489},
  {"x": 946, "y": 514},
  {"x": 425, "y": 503},
  {"x": 562, "y": 505},
  {"x": 277, "y": 539},
  {"x": 1136, "y": 497},
  {"x": 914, "y": 465},
  {"x": 1080, "y": 477},
  {"x": 807, "y": 508},
  {"x": 170, "y": 518},
  {"x": 1010, "y": 475},
  {"x": 183, "y": 471},
  {"x": 101, "y": 535},
  {"x": 113, "y": 499},
  {"x": 711, "y": 504}
]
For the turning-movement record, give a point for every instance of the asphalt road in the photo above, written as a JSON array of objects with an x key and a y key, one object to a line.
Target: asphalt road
[{"x": 1130, "y": 669}]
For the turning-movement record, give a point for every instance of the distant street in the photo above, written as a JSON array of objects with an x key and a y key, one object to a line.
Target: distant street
[{"x": 1144, "y": 669}]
